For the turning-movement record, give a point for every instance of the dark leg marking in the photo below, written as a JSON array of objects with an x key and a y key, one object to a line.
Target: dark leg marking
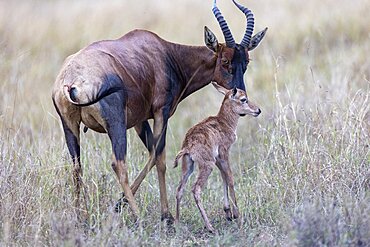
[
  {"x": 113, "y": 112},
  {"x": 74, "y": 150},
  {"x": 72, "y": 143},
  {"x": 146, "y": 135},
  {"x": 174, "y": 76}
]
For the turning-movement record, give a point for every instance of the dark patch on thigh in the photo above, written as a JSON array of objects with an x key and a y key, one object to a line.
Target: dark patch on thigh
[
  {"x": 112, "y": 105},
  {"x": 112, "y": 109},
  {"x": 72, "y": 143},
  {"x": 146, "y": 135}
]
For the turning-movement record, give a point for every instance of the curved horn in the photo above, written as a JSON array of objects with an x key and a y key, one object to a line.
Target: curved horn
[
  {"x": 230, "y": 42},
  {"x": 250, "y": 25}
]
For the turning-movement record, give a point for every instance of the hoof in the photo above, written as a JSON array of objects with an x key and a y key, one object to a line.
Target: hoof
[
  {"x": 121, "y": 203},
  {"x": 235, "y": 213},
  {"x": 211, "y": 229},
  {"x": 168, "y": 218},
  {"x": 229, "y": 216}
]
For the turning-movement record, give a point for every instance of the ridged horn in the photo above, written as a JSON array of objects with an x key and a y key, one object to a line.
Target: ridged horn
[
  {"x": 250, "y": 25},
  {"x": 230, "y": 42}
]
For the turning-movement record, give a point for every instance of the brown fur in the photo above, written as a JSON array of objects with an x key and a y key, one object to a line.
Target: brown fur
[
  {"x": 207, "y": 144},
  {"x": 113, "y": 85}
]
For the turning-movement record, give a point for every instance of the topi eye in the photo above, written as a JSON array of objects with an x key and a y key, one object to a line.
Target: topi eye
[{"x": 225, "y": 61}]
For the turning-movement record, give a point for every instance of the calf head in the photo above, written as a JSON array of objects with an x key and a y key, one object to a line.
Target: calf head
[{"x": 236, "y": 100}]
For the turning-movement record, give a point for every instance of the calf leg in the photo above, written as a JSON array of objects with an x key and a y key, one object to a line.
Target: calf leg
[
  {"x": 204, "y": 172},
  {"x": 226, "y": 191},
  {"x": 230, "y": 183},
  {"x": 227, "y": 175},
  {"x": 187, "y": 170}
]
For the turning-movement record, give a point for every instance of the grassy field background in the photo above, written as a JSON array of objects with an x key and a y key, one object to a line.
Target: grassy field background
[{"x": 302, "y": 168}]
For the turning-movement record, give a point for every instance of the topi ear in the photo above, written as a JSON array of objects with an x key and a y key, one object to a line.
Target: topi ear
[
  {"x": 219, "y": 88},
  {"x": 210, "y": 39},
  {"x": 256, "y": 39}
]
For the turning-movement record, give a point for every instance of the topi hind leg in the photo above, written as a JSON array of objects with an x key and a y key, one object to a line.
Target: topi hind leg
[
  {"x": 73, "y": 144},
  {"x": 113, "y": 112},
  {"x": 117, "y": 134},
  {"x": 187, "y": 170},
  {"x": 157, "y": 157},
  {"x": 204, "y": 172},
  {"x": 146, "y": 136},
  {"x": 72, "y": 134},
  {"x": 145, "y": 133}
]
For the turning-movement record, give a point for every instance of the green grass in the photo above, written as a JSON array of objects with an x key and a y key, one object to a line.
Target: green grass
[{"x": 302, "y": 168}]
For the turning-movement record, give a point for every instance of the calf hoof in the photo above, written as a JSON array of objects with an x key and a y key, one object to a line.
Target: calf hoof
[
  {"x": 211, "y": 229},
  {"x": 121, "y": 203},
  {"x": 235, "y": 213},
  {"x": 168, "y": 218},
  {"x": 228, "y": 214}
]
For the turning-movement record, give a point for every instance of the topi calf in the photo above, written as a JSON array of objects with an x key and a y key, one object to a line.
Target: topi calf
[{"x": 208, "y": 144}]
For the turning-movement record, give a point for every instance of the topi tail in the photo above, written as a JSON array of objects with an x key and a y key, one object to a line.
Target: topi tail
[{"x": 85, "y": 96}]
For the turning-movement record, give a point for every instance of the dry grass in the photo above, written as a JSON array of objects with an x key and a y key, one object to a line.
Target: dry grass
[{"x": 302, "y": 169}]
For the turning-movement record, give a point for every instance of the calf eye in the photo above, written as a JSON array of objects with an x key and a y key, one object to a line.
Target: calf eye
[{"x": 243, "y": 100}]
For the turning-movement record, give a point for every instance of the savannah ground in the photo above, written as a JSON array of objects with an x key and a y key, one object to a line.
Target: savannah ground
[{"x": 302, "y": 168}]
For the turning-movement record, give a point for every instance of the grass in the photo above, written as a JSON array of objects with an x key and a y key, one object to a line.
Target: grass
[{"x": 302, "y": 169}]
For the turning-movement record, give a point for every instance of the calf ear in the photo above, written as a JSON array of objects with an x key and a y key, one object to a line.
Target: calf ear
[
  {"x": 210, "y": 39},
  {"x": 256, "y": 39},
  {"x": 234, "y": 91},
  {"x": 219, "y": 88}
]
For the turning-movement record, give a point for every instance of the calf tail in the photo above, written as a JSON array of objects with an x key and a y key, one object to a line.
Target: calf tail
[{"x": 179, "y": 155}]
